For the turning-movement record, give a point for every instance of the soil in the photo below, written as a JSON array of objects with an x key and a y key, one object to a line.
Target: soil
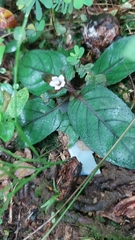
[{"x": 94, "y": 215}]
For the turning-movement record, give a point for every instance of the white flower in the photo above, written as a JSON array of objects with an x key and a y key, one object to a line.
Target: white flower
[{"x": 57, "y": 82}]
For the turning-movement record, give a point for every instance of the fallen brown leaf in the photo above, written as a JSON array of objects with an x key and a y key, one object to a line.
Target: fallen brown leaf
[
  {"x": 24, "y": 169},
  {"x": 126, "y": 207},
  {"x": 7, "y": 19}
]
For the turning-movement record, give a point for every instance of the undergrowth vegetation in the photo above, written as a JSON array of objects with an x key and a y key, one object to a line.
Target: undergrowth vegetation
[{"x": 45, "y": 77}]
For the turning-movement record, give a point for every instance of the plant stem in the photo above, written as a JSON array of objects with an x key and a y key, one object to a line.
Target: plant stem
[{"x": 18, "y": 49}]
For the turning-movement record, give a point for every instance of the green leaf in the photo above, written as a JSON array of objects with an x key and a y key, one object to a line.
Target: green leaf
[
  {"x": 17, "y": 103},
  {"x": 84, "y": 69},
  {"x": 73, "y": 54},
  {"x": 48, "y": 95},
  {"x": 47, "y": 3},
  {"x": 118, "y": 61},
  {"x": 72, "y": 60},
  {"x": 99, "y": 79},
  {"x": 70, "y": 7},
  {"x": 88, "y": 2},
  {"x": 2, "y": 50},
  {"x": 76, "y": 49},
  {"x": 1, "y": 98},
  {"x": 34, "y": 34},
  {"x": 81, "y": 52},
  {"x": 39, "y": 119},
  {"x": 36, "y": 63},
  {"x": 6, "y": 131},
  {"x": 7, "y": 87},
  {"x": 11, "y": 46},
  {"x": 60, "y": 29},
  {"x": 100, "y": 117},
  {"x": 67, "y": 1},
  {"x": 38, "y": 11},
  {"x": 19, "y": 34},
  {"x": 78, "y": 4}
]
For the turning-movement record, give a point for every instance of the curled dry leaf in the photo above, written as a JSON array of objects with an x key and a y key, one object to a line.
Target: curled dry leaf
[
  {"x": 23, "y": 169},
  {"x": 67, "y": 177},
  {"x": 7, "y": 19},
  {"x": 24, "y": 154},
  {"x": 126, "y": 207},
  {"x": 111, "y": 216}
]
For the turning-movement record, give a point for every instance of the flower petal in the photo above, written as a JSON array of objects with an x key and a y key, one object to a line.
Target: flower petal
[{"x": 57, "y": 82}]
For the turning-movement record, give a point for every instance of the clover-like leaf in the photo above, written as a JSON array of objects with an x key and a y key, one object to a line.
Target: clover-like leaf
[
  {"x": 100, "y": 117},
  {"x": 118, "y": 60},
  {"x": 36, "y": 63},
  {"x": 47, "y": 3}
]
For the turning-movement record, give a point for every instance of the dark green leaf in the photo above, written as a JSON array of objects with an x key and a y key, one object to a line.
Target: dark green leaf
[
  {"x": 100, "y": 117},
  {"x": 2, "y": 50},
  {"x": 36, "y": 63},
  {"x": 118, "y": 61},
  {"x": 39, "y": 119},
  {"x": 11, "y": 46},
  {"x": 49, "y": 95}
]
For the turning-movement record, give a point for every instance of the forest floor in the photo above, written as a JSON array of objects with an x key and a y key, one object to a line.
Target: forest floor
[{"x": 95, "y": 215}]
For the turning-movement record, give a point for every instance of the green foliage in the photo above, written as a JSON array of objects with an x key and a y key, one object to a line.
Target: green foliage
[
  {"x": 36, "y": 66},
  {"x": 79, "y": 3},
  {"x": 34, "y": 31},
  {"x": 100, "y": 117},
  {"x": 11, "y": 105},
  {"x": 75, "y": 57},
  {"x": 118, "y": 61},
  {"x": 59, "y": 5},
  {"x": 2, "y": 50},
  {"x": 96, "y": 114},
  {"x": 19, "y": 34},
  {"x": 38, "y": 119}
]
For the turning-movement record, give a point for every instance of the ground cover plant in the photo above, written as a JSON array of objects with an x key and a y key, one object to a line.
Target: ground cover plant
[{"x": 45, "y": 76}]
